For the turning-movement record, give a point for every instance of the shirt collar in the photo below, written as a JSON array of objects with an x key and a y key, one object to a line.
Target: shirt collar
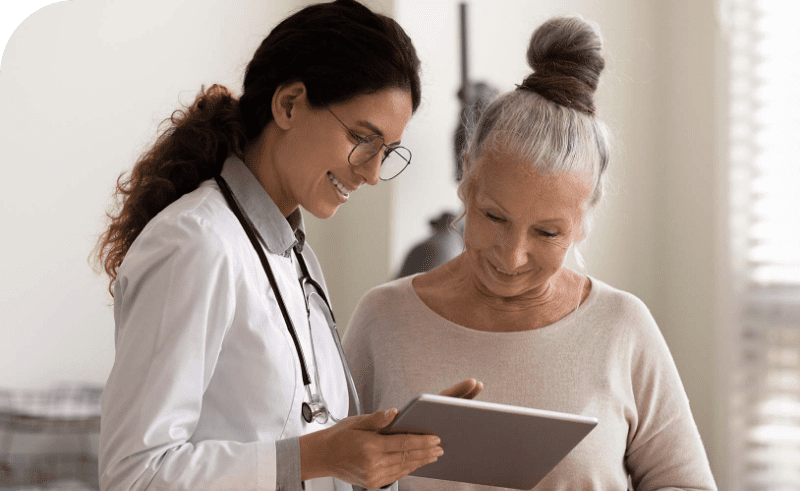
[{"x": 279, "y": 234}]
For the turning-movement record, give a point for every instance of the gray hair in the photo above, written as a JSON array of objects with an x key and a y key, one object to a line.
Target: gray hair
[{"x": 549, "y": 120}]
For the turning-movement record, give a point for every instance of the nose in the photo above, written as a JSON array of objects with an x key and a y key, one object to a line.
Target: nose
[
  {"x": 370, "y": 170},
  {"x": 513, "y": 251}
]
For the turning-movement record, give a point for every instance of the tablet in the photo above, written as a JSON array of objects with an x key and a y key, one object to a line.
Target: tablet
[{"x": 488, "y": 443}]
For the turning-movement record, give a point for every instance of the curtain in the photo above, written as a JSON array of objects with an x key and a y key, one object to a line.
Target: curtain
[{"x": 764, "y": 156}]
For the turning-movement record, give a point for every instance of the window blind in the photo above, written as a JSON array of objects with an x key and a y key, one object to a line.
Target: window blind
[{"x": 764, "y": 135}]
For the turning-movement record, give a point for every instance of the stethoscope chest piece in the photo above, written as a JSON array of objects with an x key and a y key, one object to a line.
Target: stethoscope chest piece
[{"x": 315, "y": 411}]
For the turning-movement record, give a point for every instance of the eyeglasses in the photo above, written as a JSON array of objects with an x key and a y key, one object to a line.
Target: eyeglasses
[
  {"x": 393, "y": 162},
  {"x": 317, "y": 409}
]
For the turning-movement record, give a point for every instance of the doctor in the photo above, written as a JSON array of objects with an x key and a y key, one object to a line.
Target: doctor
[{"x": 228, "y": 373}]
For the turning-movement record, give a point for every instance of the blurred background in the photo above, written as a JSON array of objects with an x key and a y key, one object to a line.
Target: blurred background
[{"x": 698, "y": 222}]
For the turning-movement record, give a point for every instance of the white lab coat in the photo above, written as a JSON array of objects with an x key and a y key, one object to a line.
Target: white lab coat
[{"x": 206, "y": 377}]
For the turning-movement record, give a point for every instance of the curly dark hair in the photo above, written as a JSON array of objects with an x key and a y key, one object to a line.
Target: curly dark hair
[{"x": 339, "y": 50}]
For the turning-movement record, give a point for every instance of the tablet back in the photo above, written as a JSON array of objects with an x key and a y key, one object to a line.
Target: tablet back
[{"x": 491, "y": 444}]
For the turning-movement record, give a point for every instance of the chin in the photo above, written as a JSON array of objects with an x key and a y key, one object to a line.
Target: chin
[
  {"x": 500, "y": 290},
  {"x": 501, "y": 287},
  {"x": 505, "y": 291},
  {"x": 322, "y": 213}
]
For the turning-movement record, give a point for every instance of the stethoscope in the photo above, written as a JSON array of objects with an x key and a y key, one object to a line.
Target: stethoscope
[{"x": 316, "y": 408}]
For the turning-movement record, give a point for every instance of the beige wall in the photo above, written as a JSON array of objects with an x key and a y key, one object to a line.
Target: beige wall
[{"x": 691, "y": 202}]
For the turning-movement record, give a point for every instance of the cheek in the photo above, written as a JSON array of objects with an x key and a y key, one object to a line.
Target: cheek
[
  {"x": 557, "y": 256},
  {"x": 477, "y": 235},
  {"x": 321, "y": 151}
]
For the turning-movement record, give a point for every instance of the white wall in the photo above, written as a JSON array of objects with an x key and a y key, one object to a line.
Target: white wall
[{"x": 83, "y": 85}]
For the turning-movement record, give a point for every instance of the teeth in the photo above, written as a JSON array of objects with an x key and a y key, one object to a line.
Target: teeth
[
  {"x": 505, "y": 272},
  {"x": 345, "y": 192}
]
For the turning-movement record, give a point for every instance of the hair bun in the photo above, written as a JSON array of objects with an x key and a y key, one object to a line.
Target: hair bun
[{"x": 565, "y": 55}]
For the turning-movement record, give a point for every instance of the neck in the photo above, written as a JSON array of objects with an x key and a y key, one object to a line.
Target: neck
[
  {"x": 261, "y": 156},
  {"x": 549, "y": 299}
]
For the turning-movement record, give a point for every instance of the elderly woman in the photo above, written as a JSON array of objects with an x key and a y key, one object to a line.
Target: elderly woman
[{"x": 508, "y": 312}]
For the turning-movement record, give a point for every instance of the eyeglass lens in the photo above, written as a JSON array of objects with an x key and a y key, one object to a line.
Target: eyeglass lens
[{"x": 394, "y": 162}]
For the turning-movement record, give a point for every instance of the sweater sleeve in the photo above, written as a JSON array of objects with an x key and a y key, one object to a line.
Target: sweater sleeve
[
  {"x": 174, "y": 302},
  {"x": 664, "y": 449}
]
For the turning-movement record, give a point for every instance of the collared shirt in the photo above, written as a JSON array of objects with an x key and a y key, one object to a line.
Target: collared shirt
[{"x": 206, "y": 388}]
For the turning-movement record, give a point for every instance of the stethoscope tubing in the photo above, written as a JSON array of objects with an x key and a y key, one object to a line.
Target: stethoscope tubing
[
  {"x": 347, "y": 375},
  {"x": 251, "y": 234}
]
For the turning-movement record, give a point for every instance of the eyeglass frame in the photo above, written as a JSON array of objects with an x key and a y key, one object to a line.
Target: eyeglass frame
[
  {"x": 383, "y": 144},
  {"x": 317, "y": 408}
]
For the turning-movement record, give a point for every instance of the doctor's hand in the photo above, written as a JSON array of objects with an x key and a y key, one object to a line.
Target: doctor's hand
[
  {"x": 466, "y": 389},
  {"x": 353, "y": 451}
]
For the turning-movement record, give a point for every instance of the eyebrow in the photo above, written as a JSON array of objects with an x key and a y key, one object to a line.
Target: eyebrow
[
  {"x": 553, "y": 220},
  {"x": 549, "y": 220},
  {"x": 375, "y": 130}
]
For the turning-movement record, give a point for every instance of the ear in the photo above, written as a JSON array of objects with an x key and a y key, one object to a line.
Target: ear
[{"x": 286, "y": 101}]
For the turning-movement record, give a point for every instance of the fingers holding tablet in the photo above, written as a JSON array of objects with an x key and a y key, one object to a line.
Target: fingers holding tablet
[
  {"x": 354, "y": 451},
  {"x": 466, "y": 389}
]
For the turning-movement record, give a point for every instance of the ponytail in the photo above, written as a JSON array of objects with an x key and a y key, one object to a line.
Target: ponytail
[{"x": 191, "y": 150}]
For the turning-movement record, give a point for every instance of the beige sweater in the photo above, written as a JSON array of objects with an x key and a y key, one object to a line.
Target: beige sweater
[{"x": 607, "y": 359}]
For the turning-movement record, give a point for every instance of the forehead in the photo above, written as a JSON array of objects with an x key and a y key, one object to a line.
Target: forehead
[{"x": 512, "y": 183}]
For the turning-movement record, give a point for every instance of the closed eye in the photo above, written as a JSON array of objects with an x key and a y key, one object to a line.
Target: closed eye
[
  {"x": 495, "y": 218},
  {"x": 357, "y": 138},
  {"x": 549, "y": 235}
]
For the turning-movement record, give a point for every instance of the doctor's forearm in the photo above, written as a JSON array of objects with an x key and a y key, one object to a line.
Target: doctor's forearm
[{"x": 311, "y": 462}]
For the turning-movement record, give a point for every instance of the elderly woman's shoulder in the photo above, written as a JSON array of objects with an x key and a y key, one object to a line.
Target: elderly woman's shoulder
[
  {"x": 613, "y": 302},
  {"x": 394, "y": 291},
  {"x": 381, "y": 307},
  {"x": 629, "y": 325}
]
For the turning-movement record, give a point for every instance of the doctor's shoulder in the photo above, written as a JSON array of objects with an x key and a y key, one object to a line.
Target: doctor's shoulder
[{"x": 198, "y": 224}]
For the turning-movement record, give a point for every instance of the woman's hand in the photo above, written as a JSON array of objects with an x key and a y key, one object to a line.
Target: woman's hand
[
  {"x": 467, "y": 389},
  {"x": 353, "y": 451}
]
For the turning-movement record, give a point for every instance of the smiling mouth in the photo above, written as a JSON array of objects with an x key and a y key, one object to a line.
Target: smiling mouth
[
  {"x": 339, "y": 186},
  {"x": 504, "y": 272}
]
